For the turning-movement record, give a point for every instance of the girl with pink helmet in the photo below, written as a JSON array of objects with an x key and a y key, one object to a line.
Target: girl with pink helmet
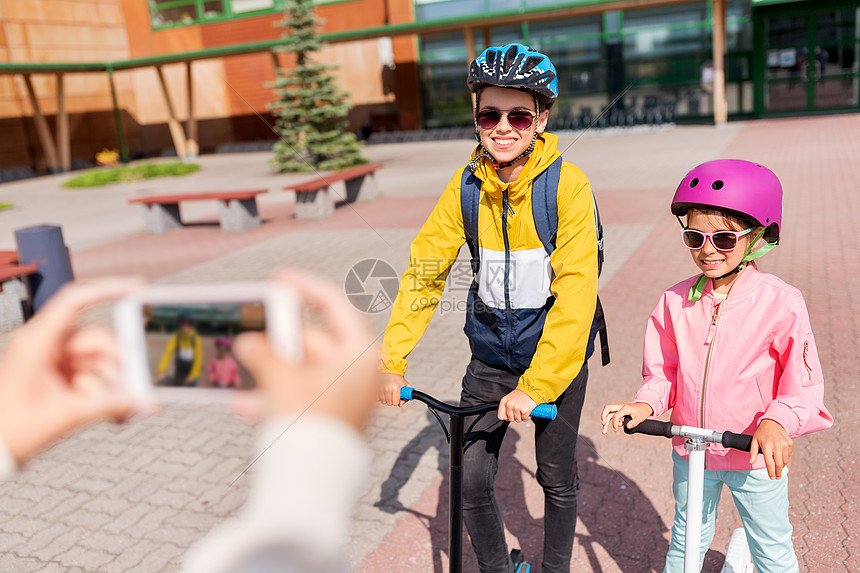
[
  {"x": 222, "y": 369},
  {"x": 732, "y": 349}
]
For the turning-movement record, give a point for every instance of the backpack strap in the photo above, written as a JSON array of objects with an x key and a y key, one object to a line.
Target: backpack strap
[
  {"x": 545, "y": 204},
  {"x": 470, "y": 198},
  {"x": 599, "y": 236},
  {"x": 600, "y": 323},
  {"x": 545, "y": 213}
]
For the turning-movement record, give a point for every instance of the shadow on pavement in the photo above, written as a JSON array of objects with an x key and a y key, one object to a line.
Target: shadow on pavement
[{"x": 617, "y": 516}]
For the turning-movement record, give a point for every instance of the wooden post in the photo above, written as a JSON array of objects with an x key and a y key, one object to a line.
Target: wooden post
[
  {"x": 63, "y": 135},
  {"x": 45, "y": 136},
  {"x": 176, "y": 131},
  {"x": 721, "y": 112},
  {"x": 470, "y": 53},
  {"x": 192, "y": 147},
  {"x": 487, "y": 37},
  {"x": 470, "y": 44}
]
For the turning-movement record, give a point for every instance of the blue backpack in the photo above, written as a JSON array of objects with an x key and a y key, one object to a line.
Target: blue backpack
[{"x": 545, "y": 213}]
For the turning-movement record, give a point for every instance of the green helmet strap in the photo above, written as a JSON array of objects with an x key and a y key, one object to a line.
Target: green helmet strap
[{"x": 751, "y": 256}]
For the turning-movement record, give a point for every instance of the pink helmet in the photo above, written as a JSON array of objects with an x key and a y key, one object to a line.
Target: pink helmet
[
  {"x": 735, "y": 185},
  {"x": 223, "y": 342}
]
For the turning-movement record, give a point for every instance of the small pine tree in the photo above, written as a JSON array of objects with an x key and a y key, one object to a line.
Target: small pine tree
[{"x": 311, "y": 109}]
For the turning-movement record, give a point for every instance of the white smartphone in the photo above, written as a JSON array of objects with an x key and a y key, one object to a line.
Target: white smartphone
[{"x": 181, "y": 335}]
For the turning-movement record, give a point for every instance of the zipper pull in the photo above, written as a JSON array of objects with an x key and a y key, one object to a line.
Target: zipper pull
[
  {"x": 805, "y": 360},
  {"x": 506, "y": 204},
  {"x": 713, "y": 326}
]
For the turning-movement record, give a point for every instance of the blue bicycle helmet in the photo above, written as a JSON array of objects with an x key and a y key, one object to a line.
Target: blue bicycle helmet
[{"x": 515, "y": 66}]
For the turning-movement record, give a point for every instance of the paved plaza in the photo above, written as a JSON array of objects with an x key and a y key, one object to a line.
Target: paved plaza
[{"x": 135, "y": 497}]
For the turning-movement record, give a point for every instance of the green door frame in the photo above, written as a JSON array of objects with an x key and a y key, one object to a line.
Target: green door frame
[{"x": 811, "y": 9}]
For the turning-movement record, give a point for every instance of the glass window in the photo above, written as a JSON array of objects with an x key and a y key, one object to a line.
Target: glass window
[
  {"x": 444, "y": 9},
  {"x": 503, "y": 5},
  {"x": 546, "y": 32},
  {"x": 240, "y": 6},
  {"x": 167, "y": 13},
  {"x": 666, "y": 31},
  {"x": 501, "y": 35},
  {"x": 665, "y": 16},
  {"x": 447, "y": 47},
  {"x": 739, "y": 29},
  {"x": 176, "y": 12}
]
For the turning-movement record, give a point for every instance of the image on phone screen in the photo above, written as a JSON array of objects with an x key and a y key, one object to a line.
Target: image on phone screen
[{"x": 191, "y": 345}]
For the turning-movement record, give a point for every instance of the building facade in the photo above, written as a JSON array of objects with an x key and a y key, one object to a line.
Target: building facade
[{"x": 141, "y": 74}]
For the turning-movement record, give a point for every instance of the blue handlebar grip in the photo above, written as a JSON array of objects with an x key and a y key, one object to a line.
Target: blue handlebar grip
[
  {"x": 548, "y": 411},
  {"x": 406, "y": 393}
]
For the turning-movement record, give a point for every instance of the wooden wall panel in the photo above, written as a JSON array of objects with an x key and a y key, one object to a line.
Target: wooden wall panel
[
  {"x": 15, "y": 149},
  {"x": 62, "y": 31}
]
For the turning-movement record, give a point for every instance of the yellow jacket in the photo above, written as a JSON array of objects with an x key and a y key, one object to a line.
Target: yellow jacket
[
  {"x": 553, "y": 296},
  {"x": 188, "y": 345}
]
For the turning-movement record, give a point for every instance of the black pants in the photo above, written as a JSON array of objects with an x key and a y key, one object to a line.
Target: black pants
[
  {"x": 182, "y": 368},
  {"x": 555, "y": 450}
]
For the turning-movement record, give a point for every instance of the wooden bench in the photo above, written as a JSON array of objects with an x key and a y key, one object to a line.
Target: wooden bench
[
  {"x": 14, "y": 271},
  {"x": 316, "y": 199},
  {"x": 14, "y": 294},
  {"x": 8, "y": 258},
  {"x": 237, "y": 210}
]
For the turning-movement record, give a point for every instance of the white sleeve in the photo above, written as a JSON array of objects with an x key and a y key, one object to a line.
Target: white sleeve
[{"x": 308, "y": 476}]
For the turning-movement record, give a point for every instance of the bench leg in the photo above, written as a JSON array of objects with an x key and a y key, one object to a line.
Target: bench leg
[
  {"x": 159, "y": 218},
  {"x": 13, "y": 298},
  {"x": 362, "y": 189},
  {"x": 236, "y": 215},
  {"x": 317, "y": 204}
]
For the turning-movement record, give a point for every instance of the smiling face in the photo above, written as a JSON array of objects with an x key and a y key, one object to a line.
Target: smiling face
[
  {"x": 712, "y": 262},
  {"x": 502, "y": 141}
]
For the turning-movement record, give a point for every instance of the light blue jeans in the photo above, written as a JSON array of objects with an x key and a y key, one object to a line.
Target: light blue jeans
[{"x": 763, "y": 507}]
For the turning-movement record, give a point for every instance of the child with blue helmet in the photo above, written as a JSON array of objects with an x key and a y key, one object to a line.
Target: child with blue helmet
[{"x": 528, "y": 326}]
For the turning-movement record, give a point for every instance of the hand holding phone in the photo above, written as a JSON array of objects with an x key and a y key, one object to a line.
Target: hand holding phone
[
  {"x": 182, "y": 335},
  {"x": 55, "y": 377},
  {"x": 337, "y": 376}
]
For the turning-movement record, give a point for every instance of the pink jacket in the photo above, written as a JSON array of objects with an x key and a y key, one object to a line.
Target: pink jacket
[{"x": 726, "y": 365}]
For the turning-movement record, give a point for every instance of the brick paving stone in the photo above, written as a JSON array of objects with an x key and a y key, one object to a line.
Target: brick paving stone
[
  {"x": 12, "y": 563},
  {"x": 145, "y": 555},
  {"x": 93, "y": 560},
  {"x": 65, "y": 539}
]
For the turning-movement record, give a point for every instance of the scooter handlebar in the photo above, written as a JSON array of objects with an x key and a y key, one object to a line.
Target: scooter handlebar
[
  {"x": 667, "y": 429},
  {"x": 741, "y": 442},
  {"x": 546, "y": 411},
  {"x": 650, "y": 427}
]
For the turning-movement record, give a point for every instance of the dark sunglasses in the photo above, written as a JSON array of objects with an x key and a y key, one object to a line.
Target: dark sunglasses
[
  {"x": 518, "y": 118},
  {"x": 722, "y": 240}
]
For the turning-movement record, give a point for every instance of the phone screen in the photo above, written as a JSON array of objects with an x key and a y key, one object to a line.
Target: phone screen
[{"x": 191, "y": 345}]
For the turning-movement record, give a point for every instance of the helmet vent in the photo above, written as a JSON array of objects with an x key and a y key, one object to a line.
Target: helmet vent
[
  {"x": 694, "y": 182},
  {"x": 717, "y": 185}
]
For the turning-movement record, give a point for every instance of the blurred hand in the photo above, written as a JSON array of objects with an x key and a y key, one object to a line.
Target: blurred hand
[
  {"x": 773, "y": 442},
  {"x": 516, "y": 407},
  {"x": 389, "y": 392},
  {"x": 337, "y": 375},
  {"x": 54, "y": 378},
  {"x": 613, "y": 415}
]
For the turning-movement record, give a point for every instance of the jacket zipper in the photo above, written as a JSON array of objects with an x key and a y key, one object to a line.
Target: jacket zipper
[
  {"x": 505, "y": 208},
  {"x": 805, "y": 359},
  {"x": 709, "y": 342}
]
